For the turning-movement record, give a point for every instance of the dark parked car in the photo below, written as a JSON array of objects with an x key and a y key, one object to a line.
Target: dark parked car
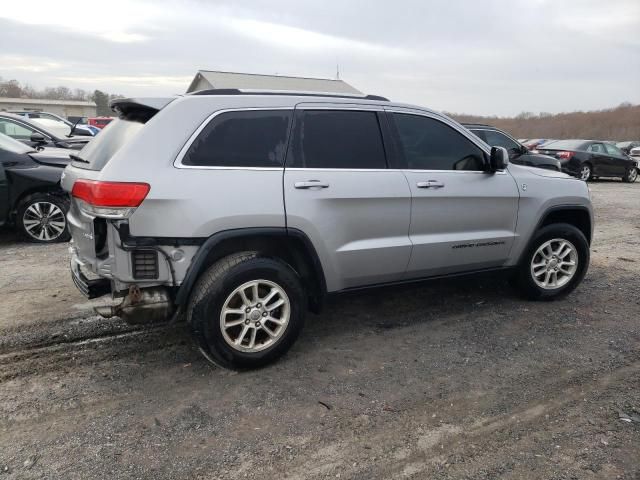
[
  {"x": 588, "y": 159},
  {"x": 627, "y": 146},
  {"x": 518, "y": 153},
  {"x": 35, "y": 135},
  {"x": 31, "y": 198}
]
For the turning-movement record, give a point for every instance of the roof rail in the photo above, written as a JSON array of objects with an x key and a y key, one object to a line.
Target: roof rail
[
  {"x": 238, "y": 91},
  {"x": 465, "y": 124}
]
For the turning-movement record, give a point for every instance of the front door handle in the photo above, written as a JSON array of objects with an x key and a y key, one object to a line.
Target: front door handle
[
  {"x": 311, "y": 184},
  {"x": 430, "y": 184}
]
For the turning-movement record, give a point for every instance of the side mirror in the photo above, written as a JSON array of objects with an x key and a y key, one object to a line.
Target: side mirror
[
  {"x": 499, "y": 159},
  {"x": 38, "y": 138}
]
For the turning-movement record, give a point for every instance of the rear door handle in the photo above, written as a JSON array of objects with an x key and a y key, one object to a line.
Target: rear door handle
[
  {"x": 430, "y": 184},
  {"x": 311, "y": 184}
]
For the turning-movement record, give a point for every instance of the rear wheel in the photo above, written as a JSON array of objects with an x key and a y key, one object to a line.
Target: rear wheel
[
  {"x": 42, "y": 218},
  {"x": 630, "y": 175},
  {"x": 555, "y": 262},
  {"x": 585, "y": 172},
  {"x": 246, "y": 310}
]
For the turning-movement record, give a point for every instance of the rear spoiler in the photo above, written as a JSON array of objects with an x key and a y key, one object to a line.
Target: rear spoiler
[{"x": 139, "y": 109}]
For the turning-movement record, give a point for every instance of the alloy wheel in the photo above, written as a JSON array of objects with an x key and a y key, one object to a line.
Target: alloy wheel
[
  {"x": 255, "y": 316},
  {"x": 44, "y": 221},
  {"x": 585, "y": 173},
  {"x": 554, "y": 264}
]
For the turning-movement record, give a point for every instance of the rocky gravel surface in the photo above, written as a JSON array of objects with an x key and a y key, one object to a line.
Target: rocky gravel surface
[{"x": 445, "y": 380}]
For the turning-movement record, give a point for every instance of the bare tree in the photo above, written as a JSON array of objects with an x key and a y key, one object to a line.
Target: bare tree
[{"x": 620, "y": 123}]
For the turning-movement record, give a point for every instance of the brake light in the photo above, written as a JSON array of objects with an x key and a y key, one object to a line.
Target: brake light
[
  {"x": 109, "y": 199},
  {"x": 564, "y": 155}
]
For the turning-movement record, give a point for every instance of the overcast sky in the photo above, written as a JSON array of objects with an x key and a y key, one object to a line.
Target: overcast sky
[{"x": 476, "y": 56}]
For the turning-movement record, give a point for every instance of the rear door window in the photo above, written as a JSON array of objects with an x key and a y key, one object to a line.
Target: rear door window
[
  {"x": 596, "y": 148},
  {"x": 349, "y": 139},
  {"x": 253, "y": 138}
]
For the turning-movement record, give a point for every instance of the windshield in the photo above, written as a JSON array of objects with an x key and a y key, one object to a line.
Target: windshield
[
  {"x": 99, "y": 151},
  {"x": 57, "y": 127},
  {"x": 10, "y": 145},
  {"x": 564, "y": 145}
]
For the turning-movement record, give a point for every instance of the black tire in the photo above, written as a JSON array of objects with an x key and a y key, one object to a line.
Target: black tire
[
  {"x": 211, "y": 292},
  {"x": 525, "y": 278},
  {"x": 630, "y": 175},
  {"x": 38, "y": 233}
]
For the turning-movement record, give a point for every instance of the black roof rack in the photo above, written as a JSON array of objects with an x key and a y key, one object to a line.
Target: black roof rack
[{"x": 237, "y": 91}]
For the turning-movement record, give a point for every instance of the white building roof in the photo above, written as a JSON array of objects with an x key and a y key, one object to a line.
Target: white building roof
[
  {"x": 250, "y": 81},
  {"x": 41, "y": 101}
]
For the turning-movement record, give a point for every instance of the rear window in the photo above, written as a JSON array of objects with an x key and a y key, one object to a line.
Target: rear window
[
  {"x": 97, "y": 153},
  {"x": 564, "y": 145}
]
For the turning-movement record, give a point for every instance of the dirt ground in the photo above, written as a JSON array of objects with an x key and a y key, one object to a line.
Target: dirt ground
[{"x": 447, "y": 380}]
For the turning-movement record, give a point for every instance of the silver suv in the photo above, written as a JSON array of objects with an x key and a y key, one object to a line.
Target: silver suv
[{"x": 240, "y": 210}]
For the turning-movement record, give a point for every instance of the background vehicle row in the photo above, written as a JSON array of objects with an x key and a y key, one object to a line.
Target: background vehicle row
[{"x": 31, "y": 198}]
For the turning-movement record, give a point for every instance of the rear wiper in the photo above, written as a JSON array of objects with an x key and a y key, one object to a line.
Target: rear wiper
[{"x": 78, "y": 158}]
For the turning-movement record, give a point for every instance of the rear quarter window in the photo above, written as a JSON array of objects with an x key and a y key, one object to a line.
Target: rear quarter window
[{"x": 255, "y": 138}]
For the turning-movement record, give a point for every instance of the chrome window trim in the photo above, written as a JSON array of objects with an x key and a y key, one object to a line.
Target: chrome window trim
[{"x": 177, "y": 163}]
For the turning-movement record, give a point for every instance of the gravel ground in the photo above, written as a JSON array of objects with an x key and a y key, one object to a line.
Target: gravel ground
[{"x": 452, "y": 379}]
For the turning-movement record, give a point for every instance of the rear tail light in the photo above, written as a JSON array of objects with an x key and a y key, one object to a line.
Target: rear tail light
[
  {"x": 564, "y": 155},
  {"x": 109, "y": 199}
]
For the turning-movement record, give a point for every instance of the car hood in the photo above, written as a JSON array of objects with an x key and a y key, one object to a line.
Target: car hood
[
  {"x": 541, "y": 172},
  {"x": 56, "y": 157}
]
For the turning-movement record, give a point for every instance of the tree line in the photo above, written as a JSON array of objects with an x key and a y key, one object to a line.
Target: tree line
[
  {"x": 14, "y": 89},
  {"x": 620, "y": 123}
]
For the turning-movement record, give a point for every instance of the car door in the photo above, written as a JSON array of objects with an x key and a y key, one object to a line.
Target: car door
[
  {"x": 619, "y": 161},
  {"x": 18, "y": 131},
  {"x": 599, "y": 159},
  {"x": 4, "y": 194},
  {"x": 340, "y": 193},
  {"x": 462, "y": 217}
]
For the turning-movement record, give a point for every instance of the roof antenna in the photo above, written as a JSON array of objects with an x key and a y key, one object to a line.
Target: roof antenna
[{"x": 337, "y": 71}]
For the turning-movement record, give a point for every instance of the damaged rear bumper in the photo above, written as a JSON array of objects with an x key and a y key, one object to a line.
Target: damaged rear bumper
[{"x": 90, "y": 288}]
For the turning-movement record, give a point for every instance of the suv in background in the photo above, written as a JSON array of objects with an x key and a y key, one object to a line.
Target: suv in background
[
  {"x": 518, "y": 153},
  {"x": 241, "y": 210}
]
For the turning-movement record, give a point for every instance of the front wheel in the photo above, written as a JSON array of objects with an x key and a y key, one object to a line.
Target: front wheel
[
  {"x": 555, "y": 262},
  {"x": 246, "y": 310},
  {"x": 42, "y": 218},
  {"x": 630, "y": 175}
]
